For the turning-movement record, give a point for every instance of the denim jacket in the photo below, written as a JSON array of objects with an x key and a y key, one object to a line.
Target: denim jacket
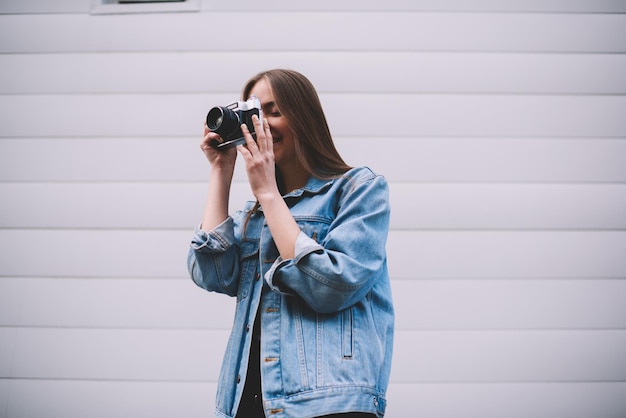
[{"x": 326, "y": 315}]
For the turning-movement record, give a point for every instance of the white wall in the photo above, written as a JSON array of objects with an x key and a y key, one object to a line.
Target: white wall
[{"x": 501, "y": 127}]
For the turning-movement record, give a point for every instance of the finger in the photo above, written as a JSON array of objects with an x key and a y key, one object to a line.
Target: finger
[
  {"x": 268, "y": 135},
  {"x": 244, "y": 151},
  {"x": 211, "y": 139},
  {"x": 250, "y": 143},
  {"x": 260, "y": 134},
  {"x": 206, "y": 140}
]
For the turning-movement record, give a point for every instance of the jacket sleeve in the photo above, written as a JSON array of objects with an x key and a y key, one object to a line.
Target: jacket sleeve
[
  {"x": 340, "y": 270},
  {"x": 213, "y": 259}
]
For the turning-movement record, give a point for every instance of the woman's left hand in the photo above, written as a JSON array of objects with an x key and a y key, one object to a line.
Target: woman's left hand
[{"x": 259, "y": 158}]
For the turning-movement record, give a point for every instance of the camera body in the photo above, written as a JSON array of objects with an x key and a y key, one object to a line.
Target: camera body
[{"x": 227, "y": 120}]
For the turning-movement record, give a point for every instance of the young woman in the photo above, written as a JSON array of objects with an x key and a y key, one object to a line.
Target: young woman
[{"x": 313, "y": 328}]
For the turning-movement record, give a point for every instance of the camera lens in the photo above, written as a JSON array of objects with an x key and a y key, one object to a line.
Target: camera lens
[{"x": 222, "y": 121}]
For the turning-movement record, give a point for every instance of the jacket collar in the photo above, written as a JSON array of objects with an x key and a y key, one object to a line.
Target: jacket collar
[{"x": 313, "y": 185}]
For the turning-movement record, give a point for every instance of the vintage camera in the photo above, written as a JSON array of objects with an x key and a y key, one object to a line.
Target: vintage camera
[{"x": 227, "y": 120}]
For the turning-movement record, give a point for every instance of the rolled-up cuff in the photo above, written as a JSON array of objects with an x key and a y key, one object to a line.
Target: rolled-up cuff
[
  {"x": 217, "y": 240},
  {"x": 304, "y": 246}
]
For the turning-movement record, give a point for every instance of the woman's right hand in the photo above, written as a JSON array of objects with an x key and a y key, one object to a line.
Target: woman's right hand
[
  {"x": 222, "y": 170},
  {"x": 217, "y": 158}
]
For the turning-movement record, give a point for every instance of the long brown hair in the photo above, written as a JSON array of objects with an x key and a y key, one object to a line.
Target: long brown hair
[{"x": 298, "y": 101}]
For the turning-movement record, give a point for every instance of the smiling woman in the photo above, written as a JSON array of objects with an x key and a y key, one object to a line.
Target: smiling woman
[{"x": 304, "y": 342}]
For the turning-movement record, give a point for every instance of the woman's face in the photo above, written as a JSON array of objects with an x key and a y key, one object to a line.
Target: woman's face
[{"x": 284, "y": 139}]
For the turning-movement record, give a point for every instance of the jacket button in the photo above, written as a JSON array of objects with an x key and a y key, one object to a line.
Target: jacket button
[
  {"x": 238, "y": 378},
  {"x": 257, "y": 276},
  {"x": 247, "y": 328}
]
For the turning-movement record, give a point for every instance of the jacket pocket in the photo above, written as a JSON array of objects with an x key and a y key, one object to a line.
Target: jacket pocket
[
  {"x": 315, "y": 227},
  {"x": 347, "y": 333}
]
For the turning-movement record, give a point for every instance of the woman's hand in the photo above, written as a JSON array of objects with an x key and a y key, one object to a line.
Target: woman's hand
[
  {"x": 260, "y": 165},
  {"x": 222, "y": 169},
  {"x": 259, "y": 158},
  {"x": 217, "y": 158}
]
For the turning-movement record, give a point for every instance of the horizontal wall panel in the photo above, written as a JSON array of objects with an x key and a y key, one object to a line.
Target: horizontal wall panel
[
  {"x": 468, "y": 115},
  {"x": 103, "y": 399},
  {"x": 419, "y": 304},
  {"x": 509, "y": 356},
  {"x": 414, "y": 205},
  {"x": 499, "y": 160},
  {"x": 526, "y": 400},
  {"x": 576, "y": 6},
  {"x": 314, "y": 31},
  {"x": 579, "y": 6},
  {"x": 412, "y": 254},
  {"x": 409, "y": 159},
  {"x": 423, "y": 356},
  {"x": 114, "y": 354},
  {"x": 110, "y": 159},
  {"x": 509, "y": 304},
  {"x": 90, "y": 253},
  {"x": 484, "y": 254},
  {"x": 396, "y": 115},
  {"x": 125, "y": 205},
  {"x": 510, "y": 206},
  {"x": 352, "y": 72},
  {"x": 87, "y": 302},
  {"x": 106, "y": 115},
  {"x": 107, "y": 399}
]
